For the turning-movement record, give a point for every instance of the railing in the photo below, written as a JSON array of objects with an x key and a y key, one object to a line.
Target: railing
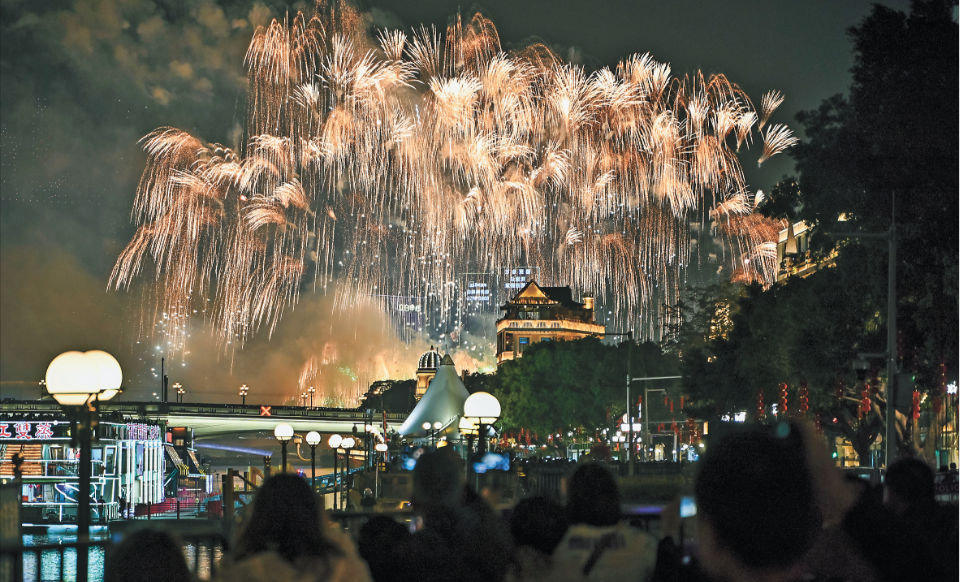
[
  {"x": 176, "y": 508},
  {"x": 50, "y": 468},
  {"x": 253, "y": 410},
  {"x": 28, "y": 563},
  {"x": 202, "y": 552},
  {"x": 352, "y": 521},
  {"x": 100, "y": 512}
]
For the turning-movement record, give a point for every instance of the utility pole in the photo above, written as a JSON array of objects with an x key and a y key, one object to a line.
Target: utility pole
[{"x": 890, "y": 393}]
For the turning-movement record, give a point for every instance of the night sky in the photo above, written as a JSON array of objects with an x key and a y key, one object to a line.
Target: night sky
[{"x": 82, "y": 82}]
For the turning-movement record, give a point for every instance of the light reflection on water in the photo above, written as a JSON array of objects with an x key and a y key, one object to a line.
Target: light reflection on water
[{"x": 50, "y": 560}]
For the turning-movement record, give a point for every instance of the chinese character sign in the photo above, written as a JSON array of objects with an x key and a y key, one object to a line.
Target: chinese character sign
[{"x": 24, "y": 430}]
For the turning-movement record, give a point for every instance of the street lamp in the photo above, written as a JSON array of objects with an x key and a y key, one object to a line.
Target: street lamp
[
  {"x": 381, "y": 449},
  {"x": 310, "y": 391},
  {"x": 283, "y": 433},
  {"x": 346, "y": 444},
  {"x": 485, "y": 409},
  {"x": 426, "y": 426},
  {"x": 79, "y": 381},
  {"x": 243, "y": 394},
  {"x": 313, "y": 439},
  {"x": 334, "y": 442},
  {"x": 180, "y": 391}
]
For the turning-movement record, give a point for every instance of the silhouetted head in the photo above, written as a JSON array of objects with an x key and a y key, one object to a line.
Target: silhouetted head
[
  {"x": 147, "y": 556},
  {"x": 381, "y": 542},
  {"x": 285, "y": 518},
  {"x": 539, "y": 523},
  {"x": 593, "y": 497},
  {"x": 437, "y": 481},
  {"x": 908, "y": 483},
  {"x": 755, "y": 499}
]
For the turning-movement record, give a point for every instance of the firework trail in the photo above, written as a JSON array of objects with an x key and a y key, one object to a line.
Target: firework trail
[{"x": 387, "y": 167}]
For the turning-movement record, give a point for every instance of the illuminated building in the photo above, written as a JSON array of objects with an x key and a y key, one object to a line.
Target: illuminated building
[
  {"x": 128, "y": 466},
  {"x": 426, "y": 370},
  {"x": 540, "y": 314},
  {"x": 793, "y": 253}
]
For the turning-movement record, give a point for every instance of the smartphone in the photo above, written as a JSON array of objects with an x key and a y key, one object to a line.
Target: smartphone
[{"x": 688, "y": 506}]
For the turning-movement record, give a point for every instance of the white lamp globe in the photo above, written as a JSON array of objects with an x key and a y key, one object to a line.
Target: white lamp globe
[
  {"x": 437, "y": 425},
  {"x": 468, "y": 426},
  {"x": 111, "y": 376},
  {"x": 483, "y": 406},
  {"x": 426, "y": 426},
  {"x": 382, "y": 447},
  {"x": 72, "y": 378},
  {"x": 314, "y": 438},
  {"x": 334, "y": 441},
  {"x": 283, "y": 432},
  {"x": 348, "y": 443}
]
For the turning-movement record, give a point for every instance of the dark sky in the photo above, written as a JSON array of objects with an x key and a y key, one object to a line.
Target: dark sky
[{"x": 82, "y": 82}]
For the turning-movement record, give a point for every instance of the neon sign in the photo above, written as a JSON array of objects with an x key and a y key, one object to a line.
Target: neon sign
[
  {"x": 137, "y": 431},
  {"x": 23, "y": 430}
]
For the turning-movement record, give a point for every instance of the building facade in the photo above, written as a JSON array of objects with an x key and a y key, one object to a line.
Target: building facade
[
  {"x": 426, "y": 370},
  {"x": 539, "y": 314},
  {"x": 793, "y": 253}
]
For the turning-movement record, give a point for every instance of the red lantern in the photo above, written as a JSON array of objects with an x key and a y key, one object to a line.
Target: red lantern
[
  {"x": 783, "y": 399},
  {"x": 671, "y": 406},
  {"x": 804, "y": 399},
  {"x": 864, "y": 401},
  {"x": 681, "y": 403},
  {"x": 915, "y": 409}
]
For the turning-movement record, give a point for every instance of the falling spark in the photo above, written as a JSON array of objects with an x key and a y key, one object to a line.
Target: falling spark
[{"x": 387, "y": 171}]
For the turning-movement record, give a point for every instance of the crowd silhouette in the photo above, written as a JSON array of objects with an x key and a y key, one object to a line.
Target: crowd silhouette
[{"x": 770, "y": 507}]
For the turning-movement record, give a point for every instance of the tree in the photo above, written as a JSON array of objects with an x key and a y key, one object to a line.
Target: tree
[
  {"x": 577, "y": 385},
  {"x": 890, "y": 146}
]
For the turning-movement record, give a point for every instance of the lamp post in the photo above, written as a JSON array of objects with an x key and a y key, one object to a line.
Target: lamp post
[
  {"x": 346, "y": 444},
  {"x": 485, "y": 409},
  {"x": 426, "y": 426},
  {"x": 180, "y": 391},
  {"x": 381, "y": 451},
  {"x": 436, "y": 430},
  {"x": 890, "y": 392},
  {"x": 283, "y": 433},
  {"x": 79, "y": 381},
  {"x": 243, "y": 394},
  {"x": 313, "y": 439},
  {"x": 469, "y": 429},
  {"x": 334, "y": 442},
  {"x": 311, "y": 390}
]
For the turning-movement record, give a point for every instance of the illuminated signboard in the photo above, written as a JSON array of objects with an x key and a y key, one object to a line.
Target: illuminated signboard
[
  {"x": 478, "y": 292},
  {"x": 517, "y": 278},
  {"x": 142, "y": 432},
  {"x": 24, "y": 430}
]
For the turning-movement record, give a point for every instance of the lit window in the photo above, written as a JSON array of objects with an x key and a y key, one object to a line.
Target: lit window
[{"x": 524, "y": 342}]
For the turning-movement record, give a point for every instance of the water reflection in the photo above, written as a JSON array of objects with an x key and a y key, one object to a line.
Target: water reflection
[{"x": 203, "y": 559}]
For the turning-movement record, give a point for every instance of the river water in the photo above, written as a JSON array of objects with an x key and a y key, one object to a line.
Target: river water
[{"x": 201, "y": 562}]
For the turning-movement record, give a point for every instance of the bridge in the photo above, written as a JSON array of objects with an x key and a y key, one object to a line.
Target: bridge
[{"x": 212, "y": 420}]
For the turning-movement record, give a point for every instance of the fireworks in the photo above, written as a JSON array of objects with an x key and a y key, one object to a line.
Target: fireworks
[{"x": 389, "y": 169}]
